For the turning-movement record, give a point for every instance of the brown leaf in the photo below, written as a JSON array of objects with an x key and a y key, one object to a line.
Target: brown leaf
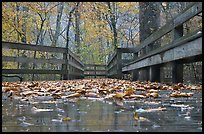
[
  {"x": 155, "y": 95},
  {"x": 33, "y": 85},
  {"x": 153, "y": 91},
  {"x": 6, "y": 89},
  {"x": 119, "y": 95},
  {"x": 129, "y": 91},
  {"x": 179, "y": 94},
  {"x": 73, "y": 95},
  {"x": 137, "y": 96},
  {"x": 91, "y": 94},
  {"x": 136, "y": 117}
]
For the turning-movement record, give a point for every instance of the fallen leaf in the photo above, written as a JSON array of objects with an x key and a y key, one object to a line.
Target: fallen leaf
[
  {"x": 6, "y": 89},
  {"x": 136, "y": 116},
  {"x": 155, "y": 109},
  {"x": 119, "y": 95},
  {"x": 33, "y": 85},
  {"x": 91, "y": 94},
  {"x": 66, "y": 119},
  {"x": 129, "y": 91},
  {"x": 73, "y": 95},
  {"x": 180, "y": 94},
  {"x": 155, "y": 95}
]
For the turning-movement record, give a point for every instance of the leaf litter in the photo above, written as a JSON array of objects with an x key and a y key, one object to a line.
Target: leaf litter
[{"x": 106, "y": 89}]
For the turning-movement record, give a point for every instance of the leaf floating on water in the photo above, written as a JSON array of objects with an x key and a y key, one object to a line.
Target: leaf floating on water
[
  {"x": 34, "y": 109},
  {"x": 180, "y": 94},
  {"x": 91, "y": 94},
  {"x": 66, "y": 119},
  {"x": 56, "y": 120},
  {"x": 143, "y": 119},
  {"x": 74, "y": 95},
  {"x": 25, "y": 124},
  {"x": 140, "y": 110},
  {"x": 136, "y": 117},
  {"x": 156, "y": 109},
  {"x": 179, "y": 105}
]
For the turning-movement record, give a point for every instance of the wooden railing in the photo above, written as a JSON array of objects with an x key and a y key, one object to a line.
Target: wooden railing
[
  {"x": 145, "y": 55},
  {"x": 94, "y": 70},
  {"x": 71, "y": 66}
]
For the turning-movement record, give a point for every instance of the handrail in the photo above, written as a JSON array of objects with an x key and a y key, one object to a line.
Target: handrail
[
  {"x": 191, "y": 11},
  {"x": 75, "y": 63}
]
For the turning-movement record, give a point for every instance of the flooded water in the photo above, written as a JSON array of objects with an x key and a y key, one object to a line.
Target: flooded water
[{"x": 181, "y": 114}]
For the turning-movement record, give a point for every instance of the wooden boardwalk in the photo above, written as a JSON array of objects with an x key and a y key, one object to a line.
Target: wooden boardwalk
[{"x": 147, "y": 61}]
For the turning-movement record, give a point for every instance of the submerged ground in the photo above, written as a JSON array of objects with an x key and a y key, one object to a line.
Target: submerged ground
[{"x": 101, "y": 105}]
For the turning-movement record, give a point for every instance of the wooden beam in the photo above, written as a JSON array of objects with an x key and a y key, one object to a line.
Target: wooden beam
[
  {"x": 23, "y": 46},
  {"x": 32, "y": 60},
  {"x": 30, "y": 71},
  {"x": 187, "y": 50},
  {"x": 185, "y": 39}
]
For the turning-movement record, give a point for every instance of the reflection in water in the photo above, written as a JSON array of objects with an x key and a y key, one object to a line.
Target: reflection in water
[{"x": 182, "y": 114}]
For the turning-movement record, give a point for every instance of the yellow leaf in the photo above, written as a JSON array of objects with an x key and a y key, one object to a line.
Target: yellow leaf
[
  {"x": 66, "y": 119},
  {"x": 129, "y": 92},
  {"x": 136, "y": 116}
]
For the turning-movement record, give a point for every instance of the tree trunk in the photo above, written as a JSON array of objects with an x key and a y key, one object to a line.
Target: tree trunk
[
  {"x": 60, "y": 8},
  {"x": 149, "y": 19},
  {"x": 77, "y": 31},
  {"x": 112, "y": 11}
]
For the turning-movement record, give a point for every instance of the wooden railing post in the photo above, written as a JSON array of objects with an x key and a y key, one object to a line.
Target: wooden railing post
[
  {"x": 155, "y": 73},
  {"x": 119, "y": 64},
  {"x": 64, "y": 67},
  {"x": 94, "y": 71},
  {"x": 177, "y": 68},
  {"x": 135, "y": 72}
]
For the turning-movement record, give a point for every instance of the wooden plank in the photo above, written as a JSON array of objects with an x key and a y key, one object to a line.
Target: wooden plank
[
  {"x": 23, "y": 46},
  {"x": 30, "y": 71},
  {"x": 129, "y": 49},
  {"x": 97, "y": 65},
  {"x": 94, "y": 74},
  {"x": 90, "y": 70},
  {"x": 75, "y": 65},
  {"x": 181, "y": 18},
  {"x": 75, "y": 57},
  {"x": 189, "y": 37},
  {"x": 187, "y": 50},
  {"x": 32, "y": 60},
  {"x": 188, "y": 13},
  {"x": 76, "y": 74},
  {"x": 111, "y": 59}
]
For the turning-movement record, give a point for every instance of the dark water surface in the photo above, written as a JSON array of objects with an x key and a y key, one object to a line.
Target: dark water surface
[{"x": 181, "y": 114}]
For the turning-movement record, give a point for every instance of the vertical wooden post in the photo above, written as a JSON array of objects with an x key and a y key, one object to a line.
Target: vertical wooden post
[
  {"x": 155, "y": 73},
  {"x": 147, "y": 72},
  {"x": 64, "y": 67},
  {"x": 135, "y": 72},
  {"x": 94, "y": 71},
  {"x": 119, "y": 64},
  {"x": 177, "y": 72},
  {"x": 177, "y": 68}
]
